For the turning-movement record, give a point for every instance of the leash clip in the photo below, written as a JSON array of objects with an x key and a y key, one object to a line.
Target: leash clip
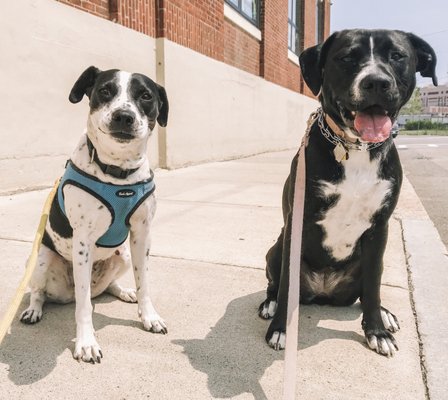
[{"x": 364, "y": 146}]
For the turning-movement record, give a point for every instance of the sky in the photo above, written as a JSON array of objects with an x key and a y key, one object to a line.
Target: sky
[{"x": 426, "y": 18}]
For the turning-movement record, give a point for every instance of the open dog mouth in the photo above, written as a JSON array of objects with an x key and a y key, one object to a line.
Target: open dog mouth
[{"x": 373, "y": 124}]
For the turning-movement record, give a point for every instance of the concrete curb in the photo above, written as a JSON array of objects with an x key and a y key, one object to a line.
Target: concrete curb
[{"x": 427, "y": 263}]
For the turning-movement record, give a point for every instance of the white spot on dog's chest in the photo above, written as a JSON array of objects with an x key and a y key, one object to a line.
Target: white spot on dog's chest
[{"x": 360, "y": 194}]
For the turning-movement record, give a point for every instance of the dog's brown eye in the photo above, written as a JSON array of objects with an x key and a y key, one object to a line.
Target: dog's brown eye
[
  {"x": 347, "y": 59},
  {"x": 104, "y": 92},
  {"x": 396, "y": 56},
  {"x": 146, "y": 96}
]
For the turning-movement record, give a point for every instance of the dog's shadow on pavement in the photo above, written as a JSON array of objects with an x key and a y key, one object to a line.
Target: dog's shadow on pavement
[
  {"x": 235, "y": 356},
  {"x": 31, "y": 351}
]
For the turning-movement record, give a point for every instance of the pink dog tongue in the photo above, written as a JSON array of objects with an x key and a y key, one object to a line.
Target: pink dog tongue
[{"x": 372, "y": 127}]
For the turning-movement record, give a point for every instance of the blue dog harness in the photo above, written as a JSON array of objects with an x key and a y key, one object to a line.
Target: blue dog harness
[{"x": 120, "y": 200}]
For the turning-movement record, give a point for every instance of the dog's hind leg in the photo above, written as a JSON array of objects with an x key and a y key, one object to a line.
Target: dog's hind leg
[
  {"x": 38, "y": 284},
  {"x": 129, "y": 295},
  {"x": 33, "y": 313},
  {"x": 273, "y": 268},
  {"x": 121, "y": 263},
  {"x": 276, "y": 334}
]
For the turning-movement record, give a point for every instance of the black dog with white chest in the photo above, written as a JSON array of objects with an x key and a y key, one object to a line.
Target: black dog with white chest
[{"x": 353, "y": 178}]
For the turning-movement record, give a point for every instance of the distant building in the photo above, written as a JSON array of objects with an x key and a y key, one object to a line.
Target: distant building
[{"x": 435, "y": 99}]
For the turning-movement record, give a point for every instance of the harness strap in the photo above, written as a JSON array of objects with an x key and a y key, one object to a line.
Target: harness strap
[
  {"x": 292, "y": 322},
  {"x": 121, "y": 200},
  {"x": 108, "y": 169}
]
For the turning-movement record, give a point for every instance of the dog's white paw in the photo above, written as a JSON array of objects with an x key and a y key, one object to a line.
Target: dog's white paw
[
  {"x": 383, "y": 343},
  {"x": 88, "y": 350},
  {"x": 390, "y": 321},
  {"x": 153, "y": 323},
  {"x": 268, "y": 309},
  {"x": 128, "y": 295},
  {"x": 31, "y": 315},
  {"x": 277, "y": 340}
]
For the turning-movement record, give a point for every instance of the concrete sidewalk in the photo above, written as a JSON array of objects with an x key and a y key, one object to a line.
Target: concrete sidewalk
[{"x": 213, "y": 226}]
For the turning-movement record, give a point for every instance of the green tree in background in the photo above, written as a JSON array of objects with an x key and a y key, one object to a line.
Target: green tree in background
[{"x": 414, "y": 105}]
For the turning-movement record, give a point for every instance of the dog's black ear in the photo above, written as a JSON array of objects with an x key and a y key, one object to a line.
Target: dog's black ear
[
  {"x": 162, "y": 118},
  {"x": 426, "y": 57},
  {"x": 84, "y": 84},
  {"x": 312, "y": 61}
]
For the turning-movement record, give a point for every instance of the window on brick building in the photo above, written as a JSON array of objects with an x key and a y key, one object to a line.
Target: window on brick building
[
  {"x": 320, "y": 20},
  {"x": 249, "y": 9},
  {"x": 295, "y": 25}
]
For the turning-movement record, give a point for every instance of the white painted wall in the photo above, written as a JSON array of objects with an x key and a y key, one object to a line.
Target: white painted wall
[
  {"x": 44, "y": 47},
  {"x": 221, "y": 112},
  {"x": 216, "y": 111}
]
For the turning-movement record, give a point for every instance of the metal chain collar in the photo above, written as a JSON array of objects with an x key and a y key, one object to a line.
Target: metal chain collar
[{"x": 335, "y": 139}]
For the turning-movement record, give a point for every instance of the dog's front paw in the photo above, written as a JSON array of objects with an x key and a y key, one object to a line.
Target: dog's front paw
[
  {"x": 382, "y": 341},
  {"x": 390, "y": 321},
  {"x": 88, "y": 350},
  {"x": 267, "y": 309},
  {"x": 153, "y": 323},
  {"x": 31, "y": 315}
]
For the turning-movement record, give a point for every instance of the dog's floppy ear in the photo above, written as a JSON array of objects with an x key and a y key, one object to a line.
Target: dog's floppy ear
[
  {"x": 162, "y": 118},
  {"x": 312, "y": 61},
  {"x": 426, "y": 57},
  {"x": 84, "y": 84}
]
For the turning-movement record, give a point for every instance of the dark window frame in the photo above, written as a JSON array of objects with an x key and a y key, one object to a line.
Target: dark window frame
[
  {"x": 295, "y": 27},
  {"x": 239, "y": 9}
]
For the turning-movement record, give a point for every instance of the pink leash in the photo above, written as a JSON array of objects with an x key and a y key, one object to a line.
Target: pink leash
[{"x": 292, "y": 322}]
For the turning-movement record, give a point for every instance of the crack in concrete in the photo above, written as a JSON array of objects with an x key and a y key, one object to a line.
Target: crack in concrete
[
  {"x": 32, "y": 156},
  {"x": 394, "y": 286},
  {"x": 421, "y": 352},
  {"x": 12, "y": 239},
  {"x": 214, "y": 204},
  {"x": 209, "y": 262},
  {"x": 25, "y": 190}
]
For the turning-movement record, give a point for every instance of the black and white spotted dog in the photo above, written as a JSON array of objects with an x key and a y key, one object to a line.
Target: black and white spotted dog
[
  {"x": 106, "y": 191},
  {"x": 353, "y": 177}
]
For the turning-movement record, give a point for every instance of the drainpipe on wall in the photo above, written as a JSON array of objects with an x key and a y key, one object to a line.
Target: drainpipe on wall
[{"x": 160, "y": 75}]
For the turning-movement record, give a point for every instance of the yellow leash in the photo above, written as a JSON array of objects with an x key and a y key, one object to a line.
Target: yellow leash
[{"x": 30, "y": 265}]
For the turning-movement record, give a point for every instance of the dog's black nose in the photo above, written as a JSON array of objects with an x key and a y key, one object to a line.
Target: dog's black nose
[
  {"x": 122, "y": 120},
  {"x": 375, "y": 83}
]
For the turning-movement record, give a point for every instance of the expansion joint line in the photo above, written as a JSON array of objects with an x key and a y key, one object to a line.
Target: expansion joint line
[{"x": 423, "y": 367}]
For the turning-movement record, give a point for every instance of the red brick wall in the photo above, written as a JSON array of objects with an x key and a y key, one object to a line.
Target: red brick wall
[
  {"x": 139, "y": 15},
  {"x": 327, "y": 19},
  {"x": 241, "y": 49},
  {"x": 309, "y": 29},
  {"x": 197, "y": 24},
  {"x": 274, "y": 43},
  {"x": 293, "y": 77},
  {"x": 135, "y": 14},
  {"x": 200, "y": 25},
  {"x": 99, "y": 8},
  {"x": 309, "y": 36}
]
